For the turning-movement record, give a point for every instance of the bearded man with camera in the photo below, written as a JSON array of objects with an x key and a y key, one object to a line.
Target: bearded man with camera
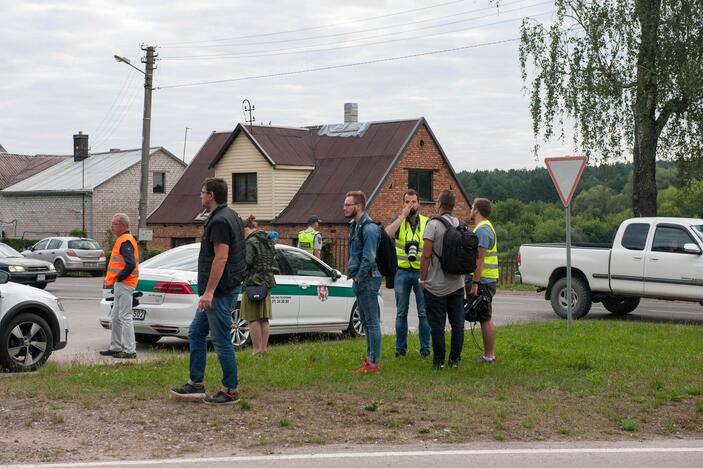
[{"x": 407, "y": 229}]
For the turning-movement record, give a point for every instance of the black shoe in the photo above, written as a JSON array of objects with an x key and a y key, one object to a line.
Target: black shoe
[
  {"x": 438, "y": 365},
  {"x": 189, "y": 392},
  {"x": 399, "y": 354},
  {"x": 453, "y": 364},
  {"x": 108, "y": 352},
  {"x": 223, "y": 398},
  {"x": 424, "y": 354},
  {"x": 124, "y": 355}
]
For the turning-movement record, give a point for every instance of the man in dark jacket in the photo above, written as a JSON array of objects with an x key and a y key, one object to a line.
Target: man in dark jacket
[{"x": 221, "y": 269}]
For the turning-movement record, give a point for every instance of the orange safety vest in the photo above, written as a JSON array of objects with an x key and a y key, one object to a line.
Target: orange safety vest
[{"x": 117, "y": 263}]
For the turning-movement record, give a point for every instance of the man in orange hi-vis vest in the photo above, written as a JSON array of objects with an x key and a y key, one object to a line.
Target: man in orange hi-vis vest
[{"x": 122, "y": 276}]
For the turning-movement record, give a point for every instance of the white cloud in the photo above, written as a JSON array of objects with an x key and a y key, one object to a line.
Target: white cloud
[{"x": 59, "y": 75}]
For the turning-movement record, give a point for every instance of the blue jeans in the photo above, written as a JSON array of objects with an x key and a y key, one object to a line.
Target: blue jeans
[
  {"x": 367, "y": 303},
  {"x": 407, "y": 281},
  {"x": 439, "y": 309},
  {"x": 218, "y": 322}
]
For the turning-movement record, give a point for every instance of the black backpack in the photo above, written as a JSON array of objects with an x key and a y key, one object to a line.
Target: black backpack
[
  {"x": 386, "y": 258},
  {"x": 459, "y": 249}
]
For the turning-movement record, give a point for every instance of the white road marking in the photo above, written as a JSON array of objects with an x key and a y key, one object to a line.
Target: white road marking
[{"x": 320, "y": 456}]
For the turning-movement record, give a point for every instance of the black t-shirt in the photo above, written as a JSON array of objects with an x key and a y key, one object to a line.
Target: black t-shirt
[{"x": 223, "y": 226}]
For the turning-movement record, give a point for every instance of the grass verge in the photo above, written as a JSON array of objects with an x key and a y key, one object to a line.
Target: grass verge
[{"x": 602, "y": 379}]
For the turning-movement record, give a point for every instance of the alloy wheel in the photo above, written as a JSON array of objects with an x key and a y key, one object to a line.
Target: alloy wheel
[{"x": 27, "y": 343}]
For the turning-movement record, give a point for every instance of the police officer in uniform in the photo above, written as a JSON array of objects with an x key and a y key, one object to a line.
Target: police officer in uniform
[{"x": 310, "y": 239}]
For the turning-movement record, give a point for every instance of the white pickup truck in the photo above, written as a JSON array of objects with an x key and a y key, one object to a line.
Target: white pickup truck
[{"x": 650, "y": 257}]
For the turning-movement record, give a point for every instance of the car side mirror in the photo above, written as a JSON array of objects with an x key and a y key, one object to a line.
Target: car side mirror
[
  {"x": 336, "y": 275},
  {"x": 692, "y": 249},
  {"x": 4, "y": 277}
]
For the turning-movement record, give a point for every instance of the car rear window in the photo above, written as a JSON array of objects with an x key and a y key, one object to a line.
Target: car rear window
[
  {"x": 175, "y": 259},
  {"x": 83, "y": 244}
]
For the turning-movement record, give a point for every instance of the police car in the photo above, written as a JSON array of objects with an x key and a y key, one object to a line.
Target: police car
[{"x": 309, "y": 296}]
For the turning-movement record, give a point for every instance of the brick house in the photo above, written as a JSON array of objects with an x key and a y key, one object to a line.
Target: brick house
[
  {"x": 283, "y": 175},
  {"x": 71, "y": 194}
]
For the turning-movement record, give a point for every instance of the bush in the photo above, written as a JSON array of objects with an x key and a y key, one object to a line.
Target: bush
[
  {"x": 19, "y": 244},
  {"x": 78, "y": 233}
]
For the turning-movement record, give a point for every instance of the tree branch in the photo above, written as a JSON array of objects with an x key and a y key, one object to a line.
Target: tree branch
[{"x": 678, "y": 106}]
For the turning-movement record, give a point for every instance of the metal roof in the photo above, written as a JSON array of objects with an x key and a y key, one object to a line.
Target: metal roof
[
  {"x": 17, "y": 167},
  {"x": 71, "y": 176}
]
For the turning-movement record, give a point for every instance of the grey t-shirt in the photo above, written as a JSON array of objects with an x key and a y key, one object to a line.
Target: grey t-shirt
[{"x": 438, "y": 282}]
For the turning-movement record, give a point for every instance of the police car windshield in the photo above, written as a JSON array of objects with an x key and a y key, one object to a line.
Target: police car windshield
[
  {"x": 175, "y": 259},
  {"x": 8, "y": 252},
  {"x": 699, "y": 231}
]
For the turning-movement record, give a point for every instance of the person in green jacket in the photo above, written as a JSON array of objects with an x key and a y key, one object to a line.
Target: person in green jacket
[{"x": 260, "y": 251}]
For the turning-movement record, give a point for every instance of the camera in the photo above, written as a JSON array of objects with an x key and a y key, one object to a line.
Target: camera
[{"x": 411, "y": 250}]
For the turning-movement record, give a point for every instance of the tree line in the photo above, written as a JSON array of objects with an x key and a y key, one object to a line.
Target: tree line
[{"x": 526, "y": 207}]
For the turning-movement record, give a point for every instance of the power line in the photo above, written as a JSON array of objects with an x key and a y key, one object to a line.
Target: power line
[
  {"x": 293, "y": 51},
  {"x": 312, "y": 28},
  {"x": 119, "y": 97},
  {"x": 332, "y": 67},
  {"x": 328, "y": 36}
]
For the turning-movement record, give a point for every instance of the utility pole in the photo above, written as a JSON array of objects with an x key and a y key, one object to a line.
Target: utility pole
[
  {"x": 185, "y": 140},
  {"x": 146, "y": 137}
]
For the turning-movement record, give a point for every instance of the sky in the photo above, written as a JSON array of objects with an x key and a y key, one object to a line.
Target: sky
[{"x": 58, "y": 75}]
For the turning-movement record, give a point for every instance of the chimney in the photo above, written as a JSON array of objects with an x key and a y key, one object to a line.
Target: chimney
[
  {"x": 351, "y": 112},
  {"x": 80, "y": 147}
]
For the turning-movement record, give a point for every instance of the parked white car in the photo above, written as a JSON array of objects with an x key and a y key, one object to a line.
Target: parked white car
[
  {"x": 32, "y": 326},
  {"x": 659, "y": 258},
  {"x": 310, "y": 296}
]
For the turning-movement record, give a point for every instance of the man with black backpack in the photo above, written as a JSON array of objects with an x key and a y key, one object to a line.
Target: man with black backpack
[
  {"x": 446, "y": 258},
  {"x": 364, "y": 240}
]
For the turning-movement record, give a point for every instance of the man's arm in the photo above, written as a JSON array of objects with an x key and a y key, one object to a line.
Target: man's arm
[
  {"x": 368, "y": 256},
  {"x": 393, "y": 227},
  {"x": 477, "y": 272},
  {"x": 127, "y": 253},
  {"x": 425, "y": 260},
  {"x": 317, "y": 246},
  {"x": 218, "y": 266}
]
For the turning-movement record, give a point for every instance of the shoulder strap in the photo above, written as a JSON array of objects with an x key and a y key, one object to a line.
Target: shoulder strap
[{"x": 447, "y": 225}]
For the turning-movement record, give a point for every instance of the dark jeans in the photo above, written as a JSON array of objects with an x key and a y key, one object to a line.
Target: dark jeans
[
  {"x": 216, "y": 321},
  {"x": 438, "y": 309}
]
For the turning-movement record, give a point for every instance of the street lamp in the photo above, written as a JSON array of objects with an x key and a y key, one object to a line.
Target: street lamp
[{"x": 143, "y": 234}]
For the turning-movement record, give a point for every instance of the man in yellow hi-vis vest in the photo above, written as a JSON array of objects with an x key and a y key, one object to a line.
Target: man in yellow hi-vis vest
[
  {"x": 310, "y": 239},
  {"x": 408, "y": 230},
  {"x": 122, "y": 277},
  {"x": 486, "y": 275}
]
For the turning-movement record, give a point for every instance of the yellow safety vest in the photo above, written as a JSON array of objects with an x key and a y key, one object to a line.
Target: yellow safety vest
[
  {"x": 490, "y": 261},
  {"x": 117, "y": 263},
  {"x": 306, "y": 240},
  {"x": 405, "y": 235}
]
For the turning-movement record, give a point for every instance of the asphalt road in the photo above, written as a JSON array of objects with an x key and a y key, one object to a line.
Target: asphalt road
[
  {"x": 81, "y": 297},
  {"x": 535, "y": 455}
]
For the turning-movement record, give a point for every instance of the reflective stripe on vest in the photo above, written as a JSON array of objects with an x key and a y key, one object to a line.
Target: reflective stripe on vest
[
  {"x": 405, "y": 235},
  {"x": 306, "y": 240},
  {"x": 117, "y": 263},
  {"x": 490, "y": 261}
]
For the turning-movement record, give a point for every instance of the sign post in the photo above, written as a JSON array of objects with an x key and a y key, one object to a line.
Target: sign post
[{"x": 565, "y": 173}]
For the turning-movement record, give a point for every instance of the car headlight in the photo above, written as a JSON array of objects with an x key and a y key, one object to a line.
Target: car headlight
[
  {"x": 16, "y": 268},
  {"x": 51, "y": 267}
]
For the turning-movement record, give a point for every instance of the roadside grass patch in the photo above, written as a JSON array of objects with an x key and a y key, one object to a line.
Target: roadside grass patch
[{"x": 548, "y": 382}]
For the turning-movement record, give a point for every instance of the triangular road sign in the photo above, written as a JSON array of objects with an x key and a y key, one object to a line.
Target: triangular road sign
[{"x": 566, "y": 172}]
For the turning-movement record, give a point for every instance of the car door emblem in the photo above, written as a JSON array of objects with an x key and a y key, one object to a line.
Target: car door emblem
[{"x": 322, "y": 292}]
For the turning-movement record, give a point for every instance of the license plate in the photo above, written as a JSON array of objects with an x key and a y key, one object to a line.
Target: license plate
[
  {"x": 138, "y": 314},
  {"x": 41, "y": 277},
  {"x": 90, "y": 265}
]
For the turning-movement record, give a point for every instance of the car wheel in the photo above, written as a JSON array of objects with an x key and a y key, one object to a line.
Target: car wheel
[
  {"x": 146, "y": 339},
  {"x": 355, "y": 328},
  {"x": 581, "y": 298},
  {"x": 240, "y": 334},
  {"x": 96, "y": 274},
  {"x": 620, "y": 305},
  {"x": 26, "y": 343},
  {"x": 39, "y": 285},
  {"x": 60, "y": 268}
]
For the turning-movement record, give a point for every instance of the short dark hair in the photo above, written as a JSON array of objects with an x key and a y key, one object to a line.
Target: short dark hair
[
  {"x": 411, "y": 193},
  {"x": 251, "y": 223},
  {"x": 447, "y": 200},
  {"x": 483, "y": 205},
  {"x": 359, "y": 197},
  {"x": 218, "y": 187}
]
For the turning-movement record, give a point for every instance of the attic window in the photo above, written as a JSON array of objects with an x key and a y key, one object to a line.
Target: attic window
[
  {"x": 422, "y": 143},
  {"x": 421, "y": 181},
  {"x": 159, "y": 182},
  {"x": 244, "y": 188}
]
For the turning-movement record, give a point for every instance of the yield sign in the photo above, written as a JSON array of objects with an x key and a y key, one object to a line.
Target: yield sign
[{"x": 566, "y": 172}]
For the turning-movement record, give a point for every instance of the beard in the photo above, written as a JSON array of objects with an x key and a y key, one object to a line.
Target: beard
[
  {"x": 412, "y": 213},
  {"x": 350, "y": 216}
]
